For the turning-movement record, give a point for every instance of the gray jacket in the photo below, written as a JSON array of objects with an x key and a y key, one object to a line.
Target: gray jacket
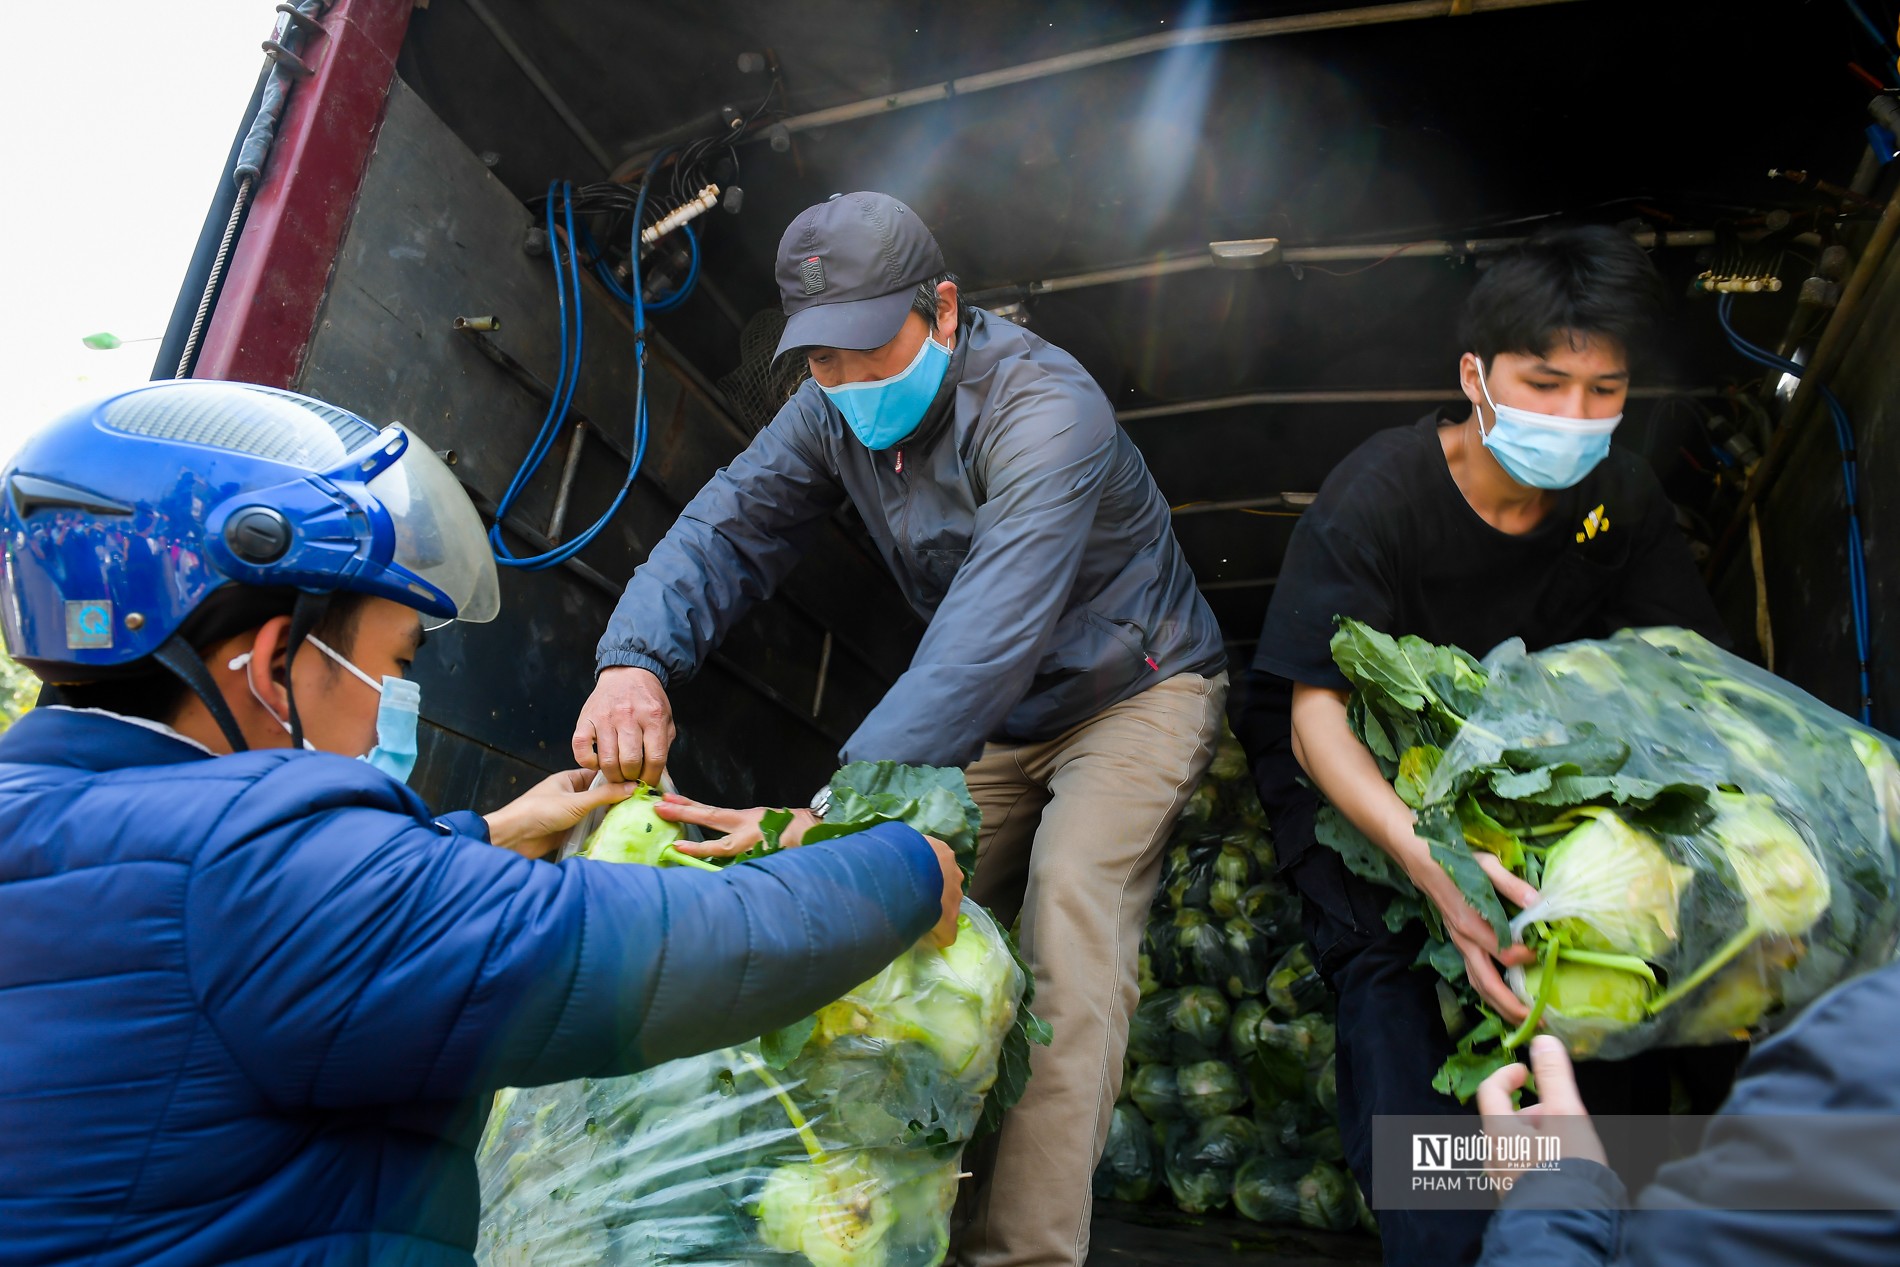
[{"x": 1019, "y": 520}]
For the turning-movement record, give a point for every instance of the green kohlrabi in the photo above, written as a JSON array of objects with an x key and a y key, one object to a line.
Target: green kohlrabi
[
  {"x": 1235, "y": 871},
  {"x": 1326, "y": 1199},
  {"x": 963, "y": 999},
  {"x": 1294, "y": 987},
  {"x": 1130, "y": 1162},
  {"x": 1734, "y": 1000},
  {"x": 1156, "y": 1092},
  {"x": 1785, "y": 886},
  {"x": 1267, "y": 1189},
  {"x": 1151, "y": 1032},
  {"x": 1230, "y": 761},
  {"x": 632, "y": 832},
  {"x": 1609, "y": 886},
  {"x": 1209, "y": 1088},
  {"x": 836, "y": 1212},
  {"x": 1201, "y": 1158},
  {"x": 1584, "y": 991},
  {"x": 1246, "y": 959},
  {"x": 1200, "y": 1013}
]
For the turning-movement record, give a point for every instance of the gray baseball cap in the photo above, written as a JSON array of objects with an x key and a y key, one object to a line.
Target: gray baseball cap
[{"x": 847, "y": 270}]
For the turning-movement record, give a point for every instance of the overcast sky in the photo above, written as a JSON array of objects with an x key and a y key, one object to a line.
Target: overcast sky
[{"x": 115, "y": 117}]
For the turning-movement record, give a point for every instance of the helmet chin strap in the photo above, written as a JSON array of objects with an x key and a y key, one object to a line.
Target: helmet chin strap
[
  {"x": 178, "y": 655},
  {"x": 304, "y": 617},
  {"x": 183, "y": 660}
]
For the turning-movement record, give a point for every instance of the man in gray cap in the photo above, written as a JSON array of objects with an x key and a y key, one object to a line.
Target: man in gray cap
[{"x": 1070, "y": 665}]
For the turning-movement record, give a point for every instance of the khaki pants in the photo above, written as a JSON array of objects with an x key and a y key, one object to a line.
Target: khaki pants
[{"x": 1073, "y": 833}]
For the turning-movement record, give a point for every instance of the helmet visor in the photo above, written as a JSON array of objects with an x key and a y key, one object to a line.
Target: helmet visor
[{"x": 439, "y": 536}]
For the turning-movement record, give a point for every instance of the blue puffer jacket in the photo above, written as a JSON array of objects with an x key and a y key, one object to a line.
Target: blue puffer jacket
[
  {"x": 251, "y": 1007},
  {"x": 1814, "y": 1118}
]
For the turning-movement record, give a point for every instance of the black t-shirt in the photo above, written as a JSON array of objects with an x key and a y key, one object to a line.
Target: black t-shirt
[{"x": 1391, "y": 541}]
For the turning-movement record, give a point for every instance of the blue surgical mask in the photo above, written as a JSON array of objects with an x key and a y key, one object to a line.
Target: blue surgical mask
[
  {"x": 883, "y": 414},
  {"x": 395, "y": 750},
  {"x": 1544, "y": 450}
]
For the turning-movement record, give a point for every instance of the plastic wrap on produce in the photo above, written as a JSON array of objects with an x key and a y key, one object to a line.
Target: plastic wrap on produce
[
  {"x": 835, "y": 1142},
  {"x": 1130, "y": 1161},
  {"x": 1712, "y": 846},
  {"x": 1773, "y": 888}
]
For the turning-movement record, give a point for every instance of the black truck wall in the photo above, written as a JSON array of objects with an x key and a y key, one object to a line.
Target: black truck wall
[
  {"x": 434, "y": 236},
  {"x": 1804, "y": 530}
]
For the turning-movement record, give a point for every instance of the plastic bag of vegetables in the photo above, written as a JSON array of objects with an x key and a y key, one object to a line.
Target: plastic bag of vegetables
[
  {"x": 1131, "y": 1164},
  {"x": 1200, "y": 1159},
  {"x": 1712, "y": 846},
  {"x": 1180, "y": 1026},
  {"x": 1279, "y": 1057},
  {"x": 1290, "y": 1191},
  {"x": 834, "y": 1141},
  {"x": 1229, "y": 1050},
  {"x": 1267, "y": 1189}
]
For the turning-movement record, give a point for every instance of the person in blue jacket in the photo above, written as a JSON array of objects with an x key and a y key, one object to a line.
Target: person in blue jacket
[
  {"x": 254, "y": 994},
  {"x": 1800, "y": 1168}
]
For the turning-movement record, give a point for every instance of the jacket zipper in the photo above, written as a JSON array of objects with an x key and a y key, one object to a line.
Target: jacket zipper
[
  {"x": 1147, "y": 656},
  {"x": 1141, "y": 642}
]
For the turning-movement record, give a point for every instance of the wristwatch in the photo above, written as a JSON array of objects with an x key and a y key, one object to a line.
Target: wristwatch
[{"x": 821, "y": 803}]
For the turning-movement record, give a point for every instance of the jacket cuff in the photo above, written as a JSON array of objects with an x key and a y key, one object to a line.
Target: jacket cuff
[
  {"x": 628, "y": 658},
  {"x": 465, "y": 822},
  {"x": 1576, "y": 1184}
]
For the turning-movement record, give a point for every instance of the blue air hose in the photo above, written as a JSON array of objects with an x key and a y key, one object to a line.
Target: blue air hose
[
  {"x": 567, "y": 293},
  {"x": 1850, "y": 482}
]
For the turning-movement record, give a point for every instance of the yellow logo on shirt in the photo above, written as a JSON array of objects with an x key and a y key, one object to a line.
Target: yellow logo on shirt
[{"x": 1594, "y": 523}]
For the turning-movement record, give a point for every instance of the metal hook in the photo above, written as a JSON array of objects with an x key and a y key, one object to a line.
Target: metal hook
[
  {"x": 299, "y": 18},
  {"x": 287, "y": 59}
]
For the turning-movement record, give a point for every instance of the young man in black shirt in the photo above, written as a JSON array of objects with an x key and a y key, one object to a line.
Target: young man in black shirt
[{"x": 1514, "y": 519}]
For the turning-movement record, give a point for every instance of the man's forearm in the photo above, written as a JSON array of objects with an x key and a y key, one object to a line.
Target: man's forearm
[
  {"x": 1344, "y": 770},
  {"x": 728, "y": 549},
  {"x": 936, "y": 715}
]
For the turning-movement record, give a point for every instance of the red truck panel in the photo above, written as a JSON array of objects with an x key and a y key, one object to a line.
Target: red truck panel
[{"x": 281, "y": 264}]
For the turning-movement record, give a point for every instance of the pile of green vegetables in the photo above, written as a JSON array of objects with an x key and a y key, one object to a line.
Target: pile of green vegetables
[
  {"x": 1228, "y": 1090},
  {"x": 834, "y": 1142},
  {"x": 1712, "y": 847}
]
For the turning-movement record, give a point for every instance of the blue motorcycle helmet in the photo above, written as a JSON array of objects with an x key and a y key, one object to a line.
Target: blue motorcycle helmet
[{"x": 122, "y": 518}]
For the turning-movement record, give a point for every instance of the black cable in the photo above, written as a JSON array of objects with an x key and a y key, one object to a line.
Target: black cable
[{"x": 615, "y": 203}]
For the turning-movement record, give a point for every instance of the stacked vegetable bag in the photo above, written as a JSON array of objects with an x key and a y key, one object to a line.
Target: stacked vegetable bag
[
  {"x": 834, "y": 1142},
  {"x": 1228, "y": 1095},
  {"x": 1713, "y": 847}
]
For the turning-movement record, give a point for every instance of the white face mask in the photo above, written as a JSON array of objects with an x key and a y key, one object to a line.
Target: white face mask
[
  {"x": 395, "y": 750},
  {"x": 1543, "y": 450}
]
